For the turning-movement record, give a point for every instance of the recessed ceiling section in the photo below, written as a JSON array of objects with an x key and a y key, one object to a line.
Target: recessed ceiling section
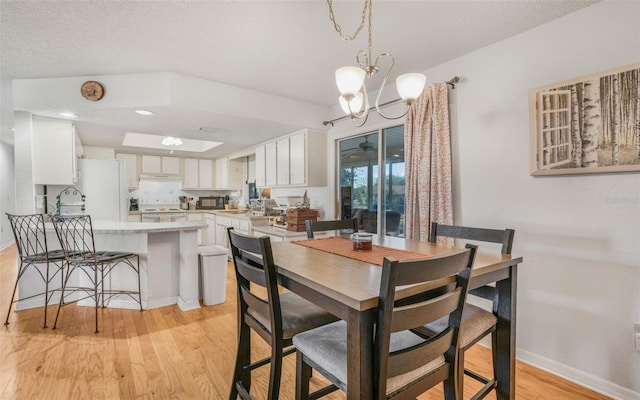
[{"x": 144, "y": 140}]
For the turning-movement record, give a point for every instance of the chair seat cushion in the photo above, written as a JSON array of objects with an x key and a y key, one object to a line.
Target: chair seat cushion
[
  {"x": 475, "y": 321},
  {"x": 326, "y": 349},
  {"x": 298, "y": 315}
]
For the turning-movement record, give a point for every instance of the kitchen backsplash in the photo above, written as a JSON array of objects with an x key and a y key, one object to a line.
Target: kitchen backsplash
[{"x": 152, "y": 192}]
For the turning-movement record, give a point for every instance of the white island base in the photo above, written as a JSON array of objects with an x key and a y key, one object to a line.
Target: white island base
[{"x": 168, "y": 262}]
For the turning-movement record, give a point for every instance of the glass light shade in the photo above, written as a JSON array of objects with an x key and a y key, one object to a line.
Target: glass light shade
[
  {"x": 355, "y": 104},
  {"x": 410, "y": 85},
  {"x": 349, "y": 79}
]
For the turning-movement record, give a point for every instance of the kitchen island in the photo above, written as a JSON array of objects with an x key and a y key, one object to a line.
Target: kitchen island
[{"x": 168, "y": 260}]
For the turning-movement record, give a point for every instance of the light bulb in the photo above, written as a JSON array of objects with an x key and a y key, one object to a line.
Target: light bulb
[
  {"x": 410, "y": 86},
  {"x": 355, "y": 104},
  {"x": 349, "y": 80}
]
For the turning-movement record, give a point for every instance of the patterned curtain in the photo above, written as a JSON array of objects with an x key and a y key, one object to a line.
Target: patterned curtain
[{"x": 427, "y": 141}]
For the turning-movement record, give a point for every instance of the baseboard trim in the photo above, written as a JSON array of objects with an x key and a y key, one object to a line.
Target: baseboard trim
[{"x": 581, "y": 378}]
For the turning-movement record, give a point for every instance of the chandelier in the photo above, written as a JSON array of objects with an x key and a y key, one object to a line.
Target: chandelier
[{"x": 351, "y": 80}]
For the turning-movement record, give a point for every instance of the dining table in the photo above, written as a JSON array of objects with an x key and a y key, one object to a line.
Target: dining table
[{"x": 347, "y": 284}]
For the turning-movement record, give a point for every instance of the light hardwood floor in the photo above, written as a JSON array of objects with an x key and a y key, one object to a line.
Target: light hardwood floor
[{"x": 165, "y": 353}]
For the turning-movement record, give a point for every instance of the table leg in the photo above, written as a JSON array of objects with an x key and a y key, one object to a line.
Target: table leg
[
  {"x": 505, "y": 310},
  {"x": 360, "y": 354}
]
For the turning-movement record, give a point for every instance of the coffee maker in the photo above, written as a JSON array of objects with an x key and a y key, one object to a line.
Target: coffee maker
[
  {"x": 184, "y": 202},
  {"x": 133, "y": 204}
]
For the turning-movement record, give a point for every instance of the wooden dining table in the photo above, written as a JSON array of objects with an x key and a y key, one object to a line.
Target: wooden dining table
[{"x": 349, "y": 289}]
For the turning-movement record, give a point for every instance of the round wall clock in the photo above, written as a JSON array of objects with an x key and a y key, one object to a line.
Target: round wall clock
[{"x": 92, "y": 90}]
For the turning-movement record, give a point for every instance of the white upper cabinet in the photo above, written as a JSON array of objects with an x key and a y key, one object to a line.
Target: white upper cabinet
[
  {"x": 298, "y": 159},
  {"x": 160, "y": 165},
  {"x": 228, "y": 174},
  {"x": 190, "y": 174},
  {"x": 131, "y": 168},
  {"x": 282, "y": 164},
  {"x": 205, "y": 174},
  {"x": 151, "y": 164},
  {"x": 54, "y": 152},
  {"x": 261, "y": 179},
  {"x": 171, "y": 165},
  {"x": 270, "y": 164}
]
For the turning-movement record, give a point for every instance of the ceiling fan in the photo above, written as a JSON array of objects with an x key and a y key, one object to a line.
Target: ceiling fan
[{"x": 364, "y": 148}]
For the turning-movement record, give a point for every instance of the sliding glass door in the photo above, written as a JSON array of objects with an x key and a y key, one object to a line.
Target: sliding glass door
[{"x": 364, "y": 188}]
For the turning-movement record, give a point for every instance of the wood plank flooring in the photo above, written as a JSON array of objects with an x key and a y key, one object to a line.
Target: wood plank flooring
[{"x": 166, "y": 353}]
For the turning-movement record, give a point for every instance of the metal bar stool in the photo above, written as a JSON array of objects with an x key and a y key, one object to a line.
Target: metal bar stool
[
  {"x": 76, "y": 237},
  {"x": 31, "y": 240}
]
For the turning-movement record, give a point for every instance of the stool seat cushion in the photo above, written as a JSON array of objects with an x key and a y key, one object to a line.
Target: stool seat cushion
[
  {"x": 298, "y": 315},
  {"x": 475, "y": 322},
  {"x": 325, "y": 348}
]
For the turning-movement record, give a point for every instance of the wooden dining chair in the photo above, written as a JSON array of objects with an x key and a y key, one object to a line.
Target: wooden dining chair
[
  {"x": 323, "y": 226},
  {"x": 76, "y": 238},
  {"x": 276, "y": 318},
  {"x": 31, "y": 241},
  {"x": 405, "y": 362},
  {"x": 476, "y": 322}
]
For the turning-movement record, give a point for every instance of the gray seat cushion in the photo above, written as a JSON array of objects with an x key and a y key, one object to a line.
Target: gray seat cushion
[
  {"x": 326, "y": 348},
  {"x": 298, "y": 315},
  {"x": 475, "y": 321}
]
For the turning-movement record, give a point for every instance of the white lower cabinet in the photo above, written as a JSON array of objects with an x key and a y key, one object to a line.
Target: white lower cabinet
[
  {"x": 210, "y": 219},
  {"x": 134, "y": 218},
  {"x": 222, "y": 223},
  {"x": 202, "y": 233}
]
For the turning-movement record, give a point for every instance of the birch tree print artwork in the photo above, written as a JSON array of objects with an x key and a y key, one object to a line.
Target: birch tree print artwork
[{"x": 587, "y": 125}]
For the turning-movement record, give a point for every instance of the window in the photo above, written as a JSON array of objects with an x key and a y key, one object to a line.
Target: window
[{"x": 364, "y": 188}]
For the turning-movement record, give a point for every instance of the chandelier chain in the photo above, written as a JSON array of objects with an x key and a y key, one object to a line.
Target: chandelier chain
[{"x": 366, "y": 9}]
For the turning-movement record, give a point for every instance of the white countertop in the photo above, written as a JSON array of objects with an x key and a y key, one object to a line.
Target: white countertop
[
  {"x": 270, "y": 230},
  {"x": 142, "y": 227}
]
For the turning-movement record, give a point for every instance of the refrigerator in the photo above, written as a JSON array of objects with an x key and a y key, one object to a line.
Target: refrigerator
[{"x": 103, "y": 183}]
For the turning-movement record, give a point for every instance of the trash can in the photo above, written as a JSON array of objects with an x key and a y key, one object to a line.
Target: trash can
[{"x": 212, "y": 263}]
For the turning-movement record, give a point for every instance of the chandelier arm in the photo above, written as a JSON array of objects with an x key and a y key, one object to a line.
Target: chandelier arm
[{"x": 384, "y": 83}]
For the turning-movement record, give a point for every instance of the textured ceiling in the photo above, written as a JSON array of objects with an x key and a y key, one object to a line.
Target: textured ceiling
[{"x": 286, "y": 48}]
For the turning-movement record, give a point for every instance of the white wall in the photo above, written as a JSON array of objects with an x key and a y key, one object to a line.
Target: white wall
[
  {"x": 579, "y": 285},
  {"x": 7, "y": 193}
]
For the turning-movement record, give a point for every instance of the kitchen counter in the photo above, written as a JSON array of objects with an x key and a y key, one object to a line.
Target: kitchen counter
[
  {"x": 168, "y": 261},
  {"x": 146, "y": 227},
  {"x": 280, "y": 232}
]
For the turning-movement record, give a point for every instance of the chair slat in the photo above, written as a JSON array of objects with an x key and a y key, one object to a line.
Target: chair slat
[{"x": 411, "y": 316}]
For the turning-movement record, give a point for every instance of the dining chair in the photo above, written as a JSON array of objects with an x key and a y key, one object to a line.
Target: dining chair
[
  {"x": 276, "y": 318},
  {"x": 77, "y": 241},
  {"x": 323, "y": 226},
  {"x": 31, "y": 241},
  {"x": 406, "y": 363},
  {"x": 476, "y": 322}
]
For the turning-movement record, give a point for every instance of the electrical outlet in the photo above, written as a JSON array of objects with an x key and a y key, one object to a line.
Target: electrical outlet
[{"x": 636, "y": 335}]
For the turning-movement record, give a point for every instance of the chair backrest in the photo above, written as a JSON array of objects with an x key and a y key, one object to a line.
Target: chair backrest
[
  {"x": 322, "y": 226},
  {"x": 503, "y": 236},
  {"x": 28, "y": 231},
  {"x": 76, "y": 237},
  {"x": 445, "y": 295},
  {"x": 253, "y": 264}
]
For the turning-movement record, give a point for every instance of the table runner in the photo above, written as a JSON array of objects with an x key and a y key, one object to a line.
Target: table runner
[{"x": 344, "y": 247}]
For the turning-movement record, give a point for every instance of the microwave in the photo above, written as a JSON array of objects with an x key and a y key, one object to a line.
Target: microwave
[{"x": 211, "y": 203}]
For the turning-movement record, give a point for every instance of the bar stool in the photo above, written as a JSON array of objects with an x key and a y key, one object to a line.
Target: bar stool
[
  {"x": 31, "y": 240},
  {"x": 76, "y": 238}
]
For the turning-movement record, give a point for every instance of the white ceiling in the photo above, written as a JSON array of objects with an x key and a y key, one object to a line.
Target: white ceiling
[{"x": 284, "y": 48}]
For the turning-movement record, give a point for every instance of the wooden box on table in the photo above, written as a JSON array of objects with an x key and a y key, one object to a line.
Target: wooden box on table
[{"x": 297, "y": 216}]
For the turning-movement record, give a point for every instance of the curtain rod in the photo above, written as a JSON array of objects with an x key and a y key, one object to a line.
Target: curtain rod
[{"x": 452, "y": 82}]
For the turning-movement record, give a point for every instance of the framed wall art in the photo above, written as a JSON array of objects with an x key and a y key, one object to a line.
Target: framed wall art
[{"x": 586, "y": 125}]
